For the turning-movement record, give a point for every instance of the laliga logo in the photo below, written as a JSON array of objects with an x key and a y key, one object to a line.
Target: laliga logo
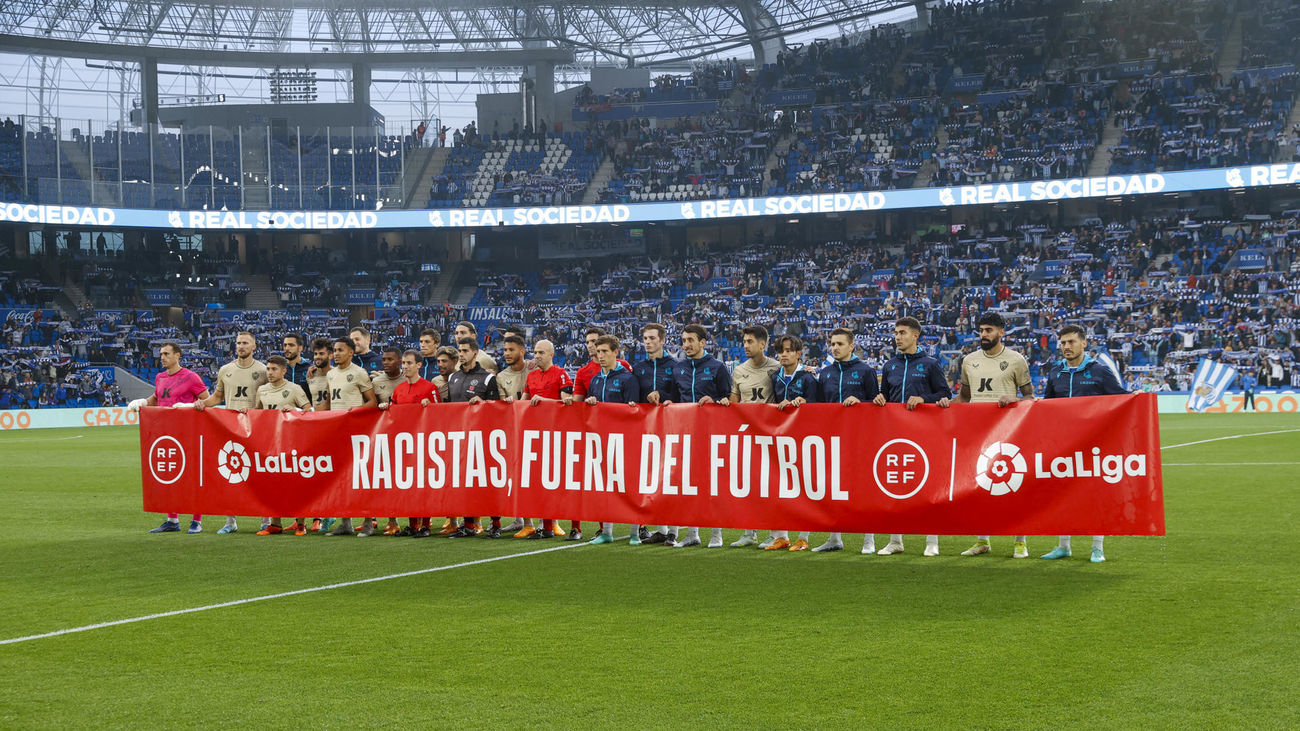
[
  {"x": 232, "y": 463},
  {"x": 1001, "y": 468},
  {"x": 946, "y": 197},
  {"x": 1234, "y": 178}
]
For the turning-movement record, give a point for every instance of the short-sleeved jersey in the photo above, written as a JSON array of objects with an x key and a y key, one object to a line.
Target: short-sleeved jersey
[
  {"x": 348, "y": 387},
  {"x": 239, "y": 384},
  {"x": 752, "y": 384},
  {"x": 318, "y": 388},
  {"x": 549, "y": 383},
  {"x": 990, "y": 377},
  {"x": 181, "y": 387},
  {"x": 512, "y": 383},
  {"x": 284, "y": 395},
  {"x": 384, "y": 386}
]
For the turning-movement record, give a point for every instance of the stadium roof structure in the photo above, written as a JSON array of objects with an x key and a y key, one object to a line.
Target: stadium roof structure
[{"x": 445, "y": 32}]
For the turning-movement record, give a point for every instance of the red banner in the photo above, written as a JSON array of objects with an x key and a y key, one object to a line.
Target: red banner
[{"x": 1078, "y": 466}]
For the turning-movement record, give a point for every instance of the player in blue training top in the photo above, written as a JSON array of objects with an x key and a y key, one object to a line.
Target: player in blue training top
[
  {"x": 792, "y": 387},
  {"x": 658, "y": 386},
  {"x": 613, "y": 385},
  {"x": 848, "y": 381},
  {"x": 700, "y": 379},
  {"x": 1079, "y": 374},
  {"x": 911, "y": 378}
]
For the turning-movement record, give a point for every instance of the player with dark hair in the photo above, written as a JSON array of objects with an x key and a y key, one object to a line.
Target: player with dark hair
[
  {"x": 237, "y": 384},
  {"x": 295, "y": 367},
  {"x": 384, "y": 382},
  {"x": 174, "y": 387},
  {"x": 994, "y": 374},
  {"x": 655, "y": 379},
  {"x": 701, "y": 379},
  {"x": 281, "y": 395},
  {"x": 615, "y": 384},
  {"x": 849, "y": 381},
  {"x": 911, "y": 378},
  {"x": 792, "y": 387},
  {"x": 318, "y": 387},
  {"x": 751, "y": 383},
  {"x": 581, "y": 381},
  {"x": 1078, "y": 374},
  {"x": 512, "y": 383},
  {"x": 472, "y": 383},
  {"x": 413, "y": 389},
  {"x": 350, "y": 388},
  {"x": 466, "y": 329},
  {"x": 429, "y": 342}
]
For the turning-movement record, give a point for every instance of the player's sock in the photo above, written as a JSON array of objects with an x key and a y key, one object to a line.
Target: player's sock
[
  {"x": 665, "y": 529},
  {"x": 608, "y": 528},
  {"x": 779, "y": 534},
  {"x": 230, "y": 520},
  {"x": 575, "y": 525},
  {"x": 805, "y": 535},
  {"x": 1098, "y": 541},
  {"x": 693, "y": 533},
  {"x": 835, "y": 539},
  {"x": 197, "y": 516},
  {"x": 496, "y": 522},
  {"x": 1064, "y": 543},
  {"x": 932, "y": 541},
  {"x": 1020, "y": 539},
  {"x": 176, "y": 518},
  {"x": 982, "y": 538}
]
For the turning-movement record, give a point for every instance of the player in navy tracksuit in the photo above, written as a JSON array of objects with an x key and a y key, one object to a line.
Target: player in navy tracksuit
[
  {"x": 793, "y": 386},
  {"x": 1078, "y": 374},
  {"x": 658, "y": 386},
  {"x": 912, "y": 378},
  {"x": 702, "y": 379},
  {"x": 847, "y": 381},
  {"x": 613, "y": 385}
]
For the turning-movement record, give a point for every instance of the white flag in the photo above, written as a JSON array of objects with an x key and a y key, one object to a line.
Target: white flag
[{"x": 1211, "y": 380}]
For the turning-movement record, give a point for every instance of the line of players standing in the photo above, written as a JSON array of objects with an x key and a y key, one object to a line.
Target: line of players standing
[{"x": 345, "y": 373}]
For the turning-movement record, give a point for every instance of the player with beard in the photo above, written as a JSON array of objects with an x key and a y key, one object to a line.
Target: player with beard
[
  {"x": 994, "y": 374},
  {"x": 174, "y": 387},
  {"x": 350, "y": 388},
  {"x": 1078, "y": 374},
  {"x": 362, "y": 355},
  {"x": 912, "y": 378},
  {"x": 237, "y": 384},
  {"x": 384, "y": 381},
  {"x": 466, "y": 329},
  {"x": 318, "y": 387},
  {"x": 296, "y": 366},
  {"x": 512, "y": 383},
  {"x": 472, "y": 383}
]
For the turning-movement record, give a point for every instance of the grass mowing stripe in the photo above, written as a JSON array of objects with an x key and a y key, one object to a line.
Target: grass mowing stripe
[{"x": 283, "y": 594}]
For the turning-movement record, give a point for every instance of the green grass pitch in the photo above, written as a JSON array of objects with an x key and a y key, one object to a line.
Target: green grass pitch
[{"x": 1198, "y": 629}]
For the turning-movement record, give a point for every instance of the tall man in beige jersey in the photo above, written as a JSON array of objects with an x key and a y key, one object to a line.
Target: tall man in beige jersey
[
  {"x": 994, "y": 374},
  {"x": 751, "y": 383},
  {"x": 350, "y": 388},
  {"x": 237, "y": 384},
  {"x": 281, "y": 395},
  {"x": 384, "y": 381}
]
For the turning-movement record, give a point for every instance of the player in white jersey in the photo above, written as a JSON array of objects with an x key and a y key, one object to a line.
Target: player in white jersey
[
  {"x": 279, "y": 394},
  {"x": 994, "y": 374},
  {"x": 237, "y": 384},
  {"x": 384, "y": 381},
  {"x": 751, "y": 383},
  {"x": 350, "y": 388}
]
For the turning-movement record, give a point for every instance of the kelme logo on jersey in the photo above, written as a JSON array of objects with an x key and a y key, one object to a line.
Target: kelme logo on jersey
[
  {"x": 234, "y": 463},
  {"x": 1002, "y": 467}
]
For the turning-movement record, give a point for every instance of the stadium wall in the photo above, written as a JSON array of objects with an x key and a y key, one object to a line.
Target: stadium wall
[{"x": 1286, "y": 401}]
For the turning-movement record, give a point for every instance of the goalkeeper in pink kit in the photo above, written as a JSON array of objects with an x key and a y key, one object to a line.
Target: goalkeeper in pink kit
[{"x": 174, "y": 387}]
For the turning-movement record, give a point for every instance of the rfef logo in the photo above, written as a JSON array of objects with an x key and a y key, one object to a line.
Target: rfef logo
[
  {"x": 233, "y": 462},
  {"x": 901, "y": 468},
  {"x": 166, "y": 460},
  {"x": 1001, "y": 468}
]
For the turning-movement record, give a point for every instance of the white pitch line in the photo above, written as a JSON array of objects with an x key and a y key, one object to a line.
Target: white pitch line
[
  {"x": 1223, "y": 464},
  {"x": 281, "y": 595},
  {"x": 38, "y": 439},
  {"x": 1234, "y": 436}
]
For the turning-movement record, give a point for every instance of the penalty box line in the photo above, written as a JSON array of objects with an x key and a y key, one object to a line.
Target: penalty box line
[{"x": 283, "y": 594}]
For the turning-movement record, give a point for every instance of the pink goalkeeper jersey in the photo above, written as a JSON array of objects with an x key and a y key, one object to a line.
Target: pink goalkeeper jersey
[{"x": 181, "y": 387}]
